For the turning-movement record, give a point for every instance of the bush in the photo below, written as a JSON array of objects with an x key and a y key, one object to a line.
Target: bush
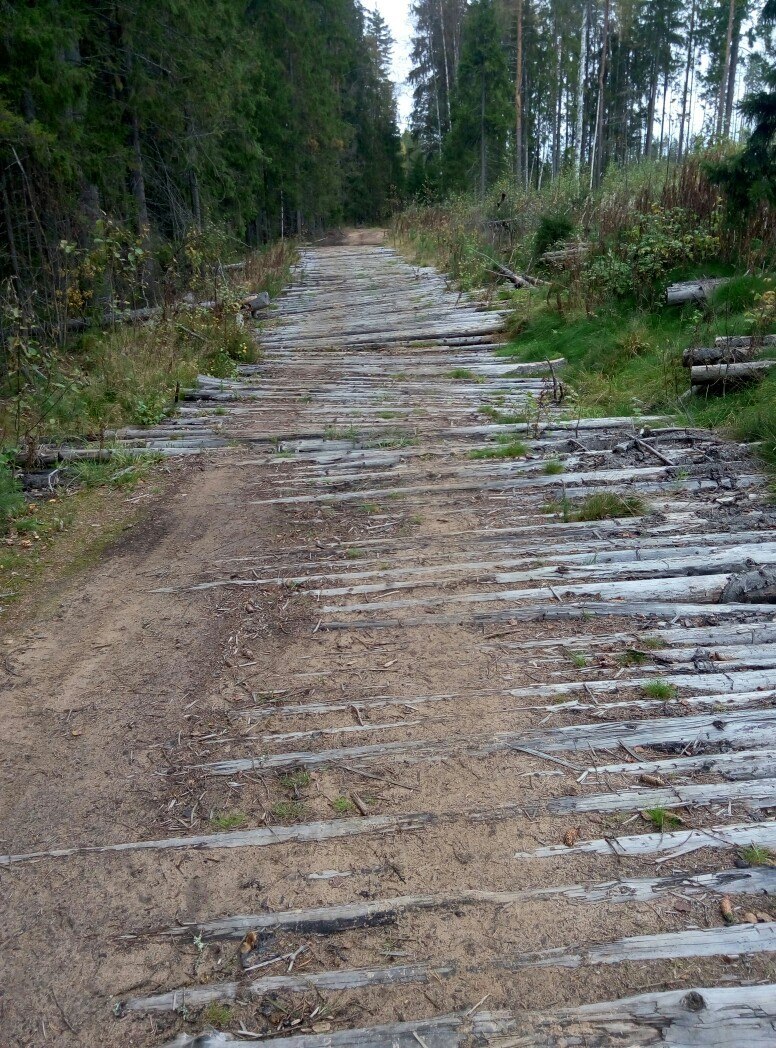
[
  {"x": 11, "y": 497},
  {"x": 552, "y": 229}
]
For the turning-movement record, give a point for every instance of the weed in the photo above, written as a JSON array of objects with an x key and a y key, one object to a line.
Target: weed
[
  {"x": 579, "y": 660},
  {"x": 757, "y": 856},
  {"x": 653, "y": 643},
  {"x": 662, "y": 819},
  {"x": 287, "y": 811},
  {"x": 217, "y": 1015},
  {"x": 606, "y": 505},
  {"x": 369, "y": 507},
  {"x": 464, "y": 374},
  {"x": 553, "y": 467},
  {"x": 515, "y": 449},
  {"x": 297, "y": 780},
  {"x": 660, "y": 689},
  {"x": 120, "y": 470},
  {"x": 354, "y": 554},
  {"x": 228, "y": 821},
  {"x": 415, "y": 520},
  {"x": 342, "y": 805},
  {"x": 633, "y": 657},
  {"x": 11, "y": 496}
]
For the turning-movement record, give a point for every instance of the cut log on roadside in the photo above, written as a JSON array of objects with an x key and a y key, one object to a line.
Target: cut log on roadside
[
  {"x": 718, "y": 355},
  {"x": 692, "y": 291},
  {"x": 565, "y": 254},
  {"x": 727, "y": 375},
  {"x": 744, "y": 341},
  {"x": 520, "y": 280}
]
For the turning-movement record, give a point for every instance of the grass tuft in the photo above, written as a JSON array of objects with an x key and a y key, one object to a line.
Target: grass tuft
[{"x": 660, "y": 689}]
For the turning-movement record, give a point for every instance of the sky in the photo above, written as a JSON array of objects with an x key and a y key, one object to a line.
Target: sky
[{"x": 397, "y": 15}]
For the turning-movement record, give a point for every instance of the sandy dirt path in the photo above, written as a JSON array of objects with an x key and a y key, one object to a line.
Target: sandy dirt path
[{"x": 363, "y": 738}]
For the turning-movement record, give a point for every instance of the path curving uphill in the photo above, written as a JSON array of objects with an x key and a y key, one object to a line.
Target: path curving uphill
[{"x": 387, "y": 732}]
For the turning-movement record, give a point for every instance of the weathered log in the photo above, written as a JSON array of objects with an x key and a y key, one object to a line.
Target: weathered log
[
  {"x": 560, "y": 256},
  {"x": 520, "y": 280},
  {"x": 744, "y": 341},
  {"x": 692, "y": 291},
  {"x": 726, "y": 375},
  {"x": 752, "y": 587},
  {"x": 717, "y": 355}
]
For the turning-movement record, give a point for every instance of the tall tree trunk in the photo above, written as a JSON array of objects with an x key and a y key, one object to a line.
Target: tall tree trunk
[
  {"x": 732, "y": 74},
  {"x": 137, "y": 177},
  {"x": 651, "y": 108},
  {"x": 9, "y": 233},
  {"x": 447, "y": 68},
  {"x": 581, "y": 77},
  {"x": 483, "y": 144},
  {"x": 519, "y": 96},
  {"x": 558, "y": 108},
  {"x": 687, "y": 69},
  {"x": 596, "y": 165},
  {"x": 723, "y": 80},
  {"x": 663, "y": 114}
]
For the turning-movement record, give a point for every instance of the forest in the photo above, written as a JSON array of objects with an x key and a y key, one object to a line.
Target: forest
[{"x": 532, "y": 89}]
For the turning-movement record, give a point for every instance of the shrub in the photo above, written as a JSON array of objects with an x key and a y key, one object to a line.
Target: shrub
[
  {"x": 11, "y": 497},
  {"x": 552, "y": 229}
]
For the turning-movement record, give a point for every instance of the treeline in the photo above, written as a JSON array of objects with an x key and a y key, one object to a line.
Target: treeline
[
  {"x": 535, "y": 88},
  {"x": 261, "y": 118}
]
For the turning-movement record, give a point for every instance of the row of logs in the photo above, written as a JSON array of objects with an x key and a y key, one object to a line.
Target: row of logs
[{"x": 730, "y": 362}]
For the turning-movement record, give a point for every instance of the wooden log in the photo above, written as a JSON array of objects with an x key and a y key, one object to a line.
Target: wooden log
[
  {"x": 730, "y": 374},
  {"x": 730, "y": 1016},
  {"x": 744, "y": 341},
  {"x": 326, "y": 919},
  {"x": 726, "y": 1018},
  {"x": 692, "y": 291},
  {"x": 717, "y": 355},
  {"x": 675, "y": 842}
]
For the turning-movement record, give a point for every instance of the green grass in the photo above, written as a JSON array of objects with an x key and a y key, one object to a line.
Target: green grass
[
  {"x": 660, "y": 689},
  {"x": 553, "y": 467},
  {"x": 624, "y": 359},
  {"x": 465, "y": 374},
  {"x": 602, "y": 506},
  {"x": 342, "y": 805},
  {"x": 756, "y": 856},
  {"x": 662, "y": 819},
  {"x": 354, "y": 554},
  {"x": 288, "y": 811},
  {"x": 119, "y": 470},
  {"x": 216, "y": 1014},
  {"x": 605, "y": 506},
  {"x": 513, "y": 449},
  {"x": 228, "y": 821},
  {"x": 502, "y": 418},
  {"x": 579, "y": 660},
  {"x": 297, "y": 780},
  {"x": 633, "y": 657}
]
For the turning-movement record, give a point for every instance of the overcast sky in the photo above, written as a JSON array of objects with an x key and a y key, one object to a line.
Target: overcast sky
[{"x": 397, "y": 15}]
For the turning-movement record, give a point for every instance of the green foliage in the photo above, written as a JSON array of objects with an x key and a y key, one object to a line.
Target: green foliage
[
  {"x": 607, "y": 505},
  {"x": 11, "y": 497},
  {"x": 662, "y": 819},
  {"x": 510, "y": 449},
  {"x": 288, "y": 811},
  {"x": 660, "y": 689},
  {"x": 552, "y": 229},
  {"x": 757, "y": 856},
  {"x": 342, "y": 805},
  {"x": 217, "y": 1015},
  {"x": 229, "y": 821}
]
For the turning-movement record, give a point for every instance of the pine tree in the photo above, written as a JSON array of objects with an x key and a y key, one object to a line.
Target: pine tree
[{"x": 475, "y": 148}]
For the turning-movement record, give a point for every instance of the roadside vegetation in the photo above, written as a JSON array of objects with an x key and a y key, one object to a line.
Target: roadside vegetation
[{"x": 603, "y": 306}]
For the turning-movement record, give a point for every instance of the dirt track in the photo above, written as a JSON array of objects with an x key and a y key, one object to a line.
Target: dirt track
[{"x": 392, "y": 716}]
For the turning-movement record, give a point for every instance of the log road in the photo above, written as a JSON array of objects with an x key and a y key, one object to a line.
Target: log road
[{"x": 468, "y": 770}]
